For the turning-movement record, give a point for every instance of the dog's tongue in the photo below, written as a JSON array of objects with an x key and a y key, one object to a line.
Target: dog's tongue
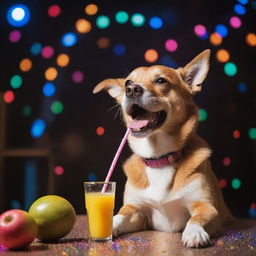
[{"x": 137, "y": 124}]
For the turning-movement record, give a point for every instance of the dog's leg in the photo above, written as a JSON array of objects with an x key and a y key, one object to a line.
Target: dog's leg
[
  {"x": 202, "y": 215},
  {"x": 129, "y": 219}
]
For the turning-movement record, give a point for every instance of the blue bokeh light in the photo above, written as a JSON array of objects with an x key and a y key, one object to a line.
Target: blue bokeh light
[
  {"x": 49, "y": 89},
  {"x": 119, "y": 49},
  {"x": 37, "y": 128},
  {"x": 221, "y": 30},
  {"x": 155, "y": 22},
  {"x": 36, "y": 49},
  {"x": 168, "y": 61},
  {"x": 92, "y": 176},
  {"x": 69, "y": 39},
  {"x": 18, "y": 15},
  {"x": 242, "y": 87},
  {"x": 239, "y": 9},
  {"x": 242, "y": 1},
  {"x": 205, "y": 36}
]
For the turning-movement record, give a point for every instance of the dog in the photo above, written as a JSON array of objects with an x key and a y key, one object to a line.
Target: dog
[{"x": 170, "y": 183}]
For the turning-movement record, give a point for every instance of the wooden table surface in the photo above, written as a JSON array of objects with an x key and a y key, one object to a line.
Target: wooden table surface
[{"x": 238, "y": 240}]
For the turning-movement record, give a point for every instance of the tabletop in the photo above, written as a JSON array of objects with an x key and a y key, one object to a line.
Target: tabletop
[{"x": 239, "y": 239}]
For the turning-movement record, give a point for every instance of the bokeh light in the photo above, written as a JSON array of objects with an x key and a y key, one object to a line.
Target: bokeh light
[
  {"x": 49, "y": 89},
  {"x": 137, "y": 20},
  {"x": 77, "y": 76},
  {"x": 47, "y": 52},
  {"x": 239, "y": 9},
  {"x": 215, "y": 39},
  {"x": 226, "y": 161},
  {"x": 100, "y": 130},
  {"x": 230, "y": 69},
  {"x": 25, "y": 65},
  {"x": 200, "y": 30},
  {"x": 122, "y": 17},
  {"x": 38, "y": 128},
  {"x": 51, "y": 73},
  {"x": 59, "y": 170},
  {"x": 168, "y": 61},
  {"x": 83, "y": 26},
  {"x": 221, "y": 30},
  {"x": 235, "y": 22},
  {"x": 252, "y": 133},
  {"x": 57, "y": 107},
  {"x": 202, "y": 114},
  {"x": 251, "y": 39},
  {"x": 26, "y": 110},
  {"x": 243, "y": 1},
  {"x": 63, "y": 60},
  {"x": 171, "y": 45},
  {"x": 236, "y": 183},
  {"x": 15, "y": 36},
  {"x": 36, "y": 48},
  {"x": 222, "y": 55},
  {"x": 69, "y": 39},
  {"x": 236, "y": 134},
  {"x": 9, "y": 97},
  {"x": 119, "y": 49},
  {"x": 252, "y": 211},
  {"x": 242, "y": 87},
  {"x": 92, "y": 176},
  {"x": 16, "y": 81},
  {"x": 54, "y": 11},
  {"x": 91, "y": 9},
  {"x": 155, "y": 22},
  {"x": 151, "y": 55},
  {"x": 103, "y": 22},
  {"x": 18, "y": 15},
  {"x": 223, "y": 183},
  {"x": 103, "y": 42}
]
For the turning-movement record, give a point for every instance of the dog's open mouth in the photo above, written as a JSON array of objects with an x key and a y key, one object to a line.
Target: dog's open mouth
[{"x": 144, "y": 121}]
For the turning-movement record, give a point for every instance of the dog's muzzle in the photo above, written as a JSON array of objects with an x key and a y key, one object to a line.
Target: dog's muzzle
[{"x": 133, "y": 91}]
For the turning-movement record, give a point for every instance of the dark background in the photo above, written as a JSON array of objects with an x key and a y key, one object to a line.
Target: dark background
[{"x": 71, "y": 136}]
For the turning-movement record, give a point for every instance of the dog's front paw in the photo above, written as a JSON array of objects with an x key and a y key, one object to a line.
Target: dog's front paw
[
  {"x": 119, "y": 224},
  {"x": 195, "y": 236}
]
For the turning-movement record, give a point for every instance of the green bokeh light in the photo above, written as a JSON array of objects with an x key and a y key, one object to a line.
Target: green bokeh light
[
  {"x": 102, "y": 22},
  {"x": 16, "y": 82},
  {"x": 202, "y": 115},
  {"x": 26, "y": 110},
  {"x": 236, "y": 183},
  {"x": 230, "y": 69},
  {"x": 137, "y": 19},
  {"x": 252, "y": 133},
  {"x": 57, "y": 107},
  {"x": 122, "y": 17}
]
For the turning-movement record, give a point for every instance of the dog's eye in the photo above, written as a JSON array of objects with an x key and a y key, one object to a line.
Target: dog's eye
[
  {"x": 128, "y": 82},
  {"x": 160, "y": 80}
]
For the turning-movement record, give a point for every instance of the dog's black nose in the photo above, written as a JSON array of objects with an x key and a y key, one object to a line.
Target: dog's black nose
[{"x": 133, "y": 90}]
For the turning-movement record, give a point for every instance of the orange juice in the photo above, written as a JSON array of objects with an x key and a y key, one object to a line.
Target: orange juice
[{"x": 100, "y": 208}]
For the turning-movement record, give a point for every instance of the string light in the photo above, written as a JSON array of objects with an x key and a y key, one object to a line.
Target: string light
[
  {"x": 36, "y": 49},
  {"x": 226, "y": 161},
  {"x": 202, "y": 115},
  {"x": 49, "y": 89},
  {"x": 16, "y": 81},
  {"x": 230, "y": 69},
  {"x": 223, "y": 183},
  {"x": 119, "y": 49},
  {"x": 222, "y": 55},
  {"x": 69, "y": 39},
  {"x": 236, "y": 183},
  {"x": 221, "y": 30},
  {"x": 83, "y": 26},
  {"x": 51, "y": 74},
  {"x": 251, "y": 39},
  {"x": 59, "y": 170},
  {"x": 239, "y": 9},
  {"x": 63, "y": 60},
  {"x": 57, "y": 107},
  {"x": 47, "y": 52},
  {"x": 102, "y": 22},
  {"x": 18, "y": 15},
  {"x": 9, "y": 97},
  {"x": 15, "y": 36},
  {"x": 121, "y": 17},
  {"x": 151, "y": 55},
  {"x": 137, "y": 20},
  {"x": 252, "y": 133},
  {"x": 155, "y": 22},
  {"x": 38, "y": 128},
  {"x": 103, "y": 42},
  {"x": 200, "y": 30},
  {"x": 25, "y": 65},
  {"x": 235, "y": 22},
  {"x": 54, "y": 11},
  {"x": 215, "y": 39},
  {"x": 100, "y": 130},
  {"x": 236, "y": 134},
  {"x": 77, "y": 76},
  {"x": 171, "y": 45},
  {"x": 91, "y": 9}
]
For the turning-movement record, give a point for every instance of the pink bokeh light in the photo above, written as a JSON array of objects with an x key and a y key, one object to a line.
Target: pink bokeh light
[
  {"x": 54, "y": 11},
  {"x": 59, "y": 170},
  {"x": 77, "y": 76},
  {"x": 15, "y": 36},
  {"x": 47, "y": 52},
  {"x": 235, "y": 22},
  {"x": 200, "y": 30},
  {"x": 171, "y": 45}
]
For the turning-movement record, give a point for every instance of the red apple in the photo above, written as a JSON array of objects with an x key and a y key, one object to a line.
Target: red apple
[{"x": 17, "y": 229}]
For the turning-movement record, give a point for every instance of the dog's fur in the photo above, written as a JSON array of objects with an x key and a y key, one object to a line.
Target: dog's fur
[{"x": 185, "y": 197}]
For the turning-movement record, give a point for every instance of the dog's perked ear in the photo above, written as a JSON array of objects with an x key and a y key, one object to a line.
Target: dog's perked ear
[
  {"x": 194, "y": 73},
  {"x": 114, "y": 87}
]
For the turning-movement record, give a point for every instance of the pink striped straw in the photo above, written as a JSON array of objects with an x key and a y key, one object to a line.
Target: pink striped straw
[{"x": 113, "y": 164}]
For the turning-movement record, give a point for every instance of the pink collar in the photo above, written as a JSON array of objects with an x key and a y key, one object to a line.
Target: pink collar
[{"x": 169, "y": 159}]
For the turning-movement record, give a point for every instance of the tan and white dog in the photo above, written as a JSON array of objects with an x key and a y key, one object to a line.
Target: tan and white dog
[{"x": 170, "y": 184}]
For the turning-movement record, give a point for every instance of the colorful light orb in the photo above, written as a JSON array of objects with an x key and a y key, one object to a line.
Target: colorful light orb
[
  {"x": 200, "y": 30},
  {"x": 252, "y": 213},
  {"x": 49, "y": 89},
  {"x": 62, "y": 60},
  {"x": 47, "y": 52},
  {"x": 9, "y": 97},
  {"x": 215, "y": 39},
  {"x": 92, "y": 176},
  {"x": 26, "y": 110},
  {"x": 103, "y": 42},
  {"x": 251, "y": 39},
  {"x": 236, "y": 134},
  {"x": 77, "y": 76},
  {"x": 235, "y": 22},
  {"x": 69, "y": 39},
  {"x": 119, "y": 49},
  {"x": 155, "y": 22},
  {"x": 226, "y": 161},
  {"x": 57, "y": 107},
  {"x": 242, "y": 87},
  {"x": 25, "y": 65},
  {"x": 242, "y": 1},
  {"x": 252, "y": 133},
  {"x": 54, "y": 11},
  {"x": 168, "y": 61},
  {"x": 59, "y": 170},
  {"x": 16, "y": 81},
  {"x": 121, "y": 17},
  {"x": 51, "y": 73},
  {"x": 91, "y": 9},
  {"x": 38, "y": 128},
  {"x": 222, "y": 55},
  {"x": 239, "y": 9},
  {"x": 151, "y": 55},
  {"x": 171, "y": 45},
  {"x": 15, "y": 36},
  {"x": 205, "y": 36},
  {"x": 202, "y": 115},
  {"x": 103, "y": 22},
  {"x": 230, "y": 69},
  {"x": 100, "y": 130},
  {"x": 221, "y": 30},
  {"x": 137, "y": 19},
  {"x": 36, "y": 48},
  {"x": 236, "y": 183},
  {"x": 83, "y": 26},
  {"x": 223, "y": 183},
  {"x": 18, "y": 15}
]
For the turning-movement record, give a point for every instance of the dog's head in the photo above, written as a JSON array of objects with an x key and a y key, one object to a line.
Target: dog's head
[{"x": 158, "y": 98}]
